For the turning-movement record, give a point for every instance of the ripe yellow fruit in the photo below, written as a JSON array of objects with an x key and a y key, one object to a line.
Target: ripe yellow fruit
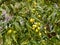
[
  {"x": 34, "y": 26},
  {"x": 32, "y": 20},
  {"x": 14, "y": 31},
  {"x": 37, "y": 30},
  {"x": 33, "y": 9},
  {"x": 39, "y": 16},
  {"x": 35, "y": 3},
  {"x": 37, "y": 23},
  {"x": 45, "y": 28},
  {"x": 45, "y": 32},
  {"x": 39, "y": 34},
  {"x": 9, "y": 31}
]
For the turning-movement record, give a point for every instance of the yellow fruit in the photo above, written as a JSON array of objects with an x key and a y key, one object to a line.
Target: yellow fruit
[
  {"x": 37, "y": 30},
  {"x": 34, "y": 26},
  {"x": 37, "y": 23},
  {"x": 14, "y": 31},
  {"x": 39, "y": 16},
  {"x": 45, "y": 28},
  {"x": 36, "y": 13},
  {"x": 45, "y": 32},
  {"x": 9, "y": 31},
  {"x": 39, "y": 34},
  {"x": 33, "y": 9},
  {"x": 35, "y": 3},
  {"x": 32, "y": 20}
]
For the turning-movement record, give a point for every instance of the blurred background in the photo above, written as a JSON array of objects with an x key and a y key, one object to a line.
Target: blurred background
[{"x": 29, "y": 22}]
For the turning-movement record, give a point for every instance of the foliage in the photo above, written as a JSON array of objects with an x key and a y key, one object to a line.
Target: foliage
[{"x": 30, "y": 22}]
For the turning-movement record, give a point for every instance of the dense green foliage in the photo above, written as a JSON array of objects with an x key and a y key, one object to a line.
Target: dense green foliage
[{"x": 29, "y": 22}]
